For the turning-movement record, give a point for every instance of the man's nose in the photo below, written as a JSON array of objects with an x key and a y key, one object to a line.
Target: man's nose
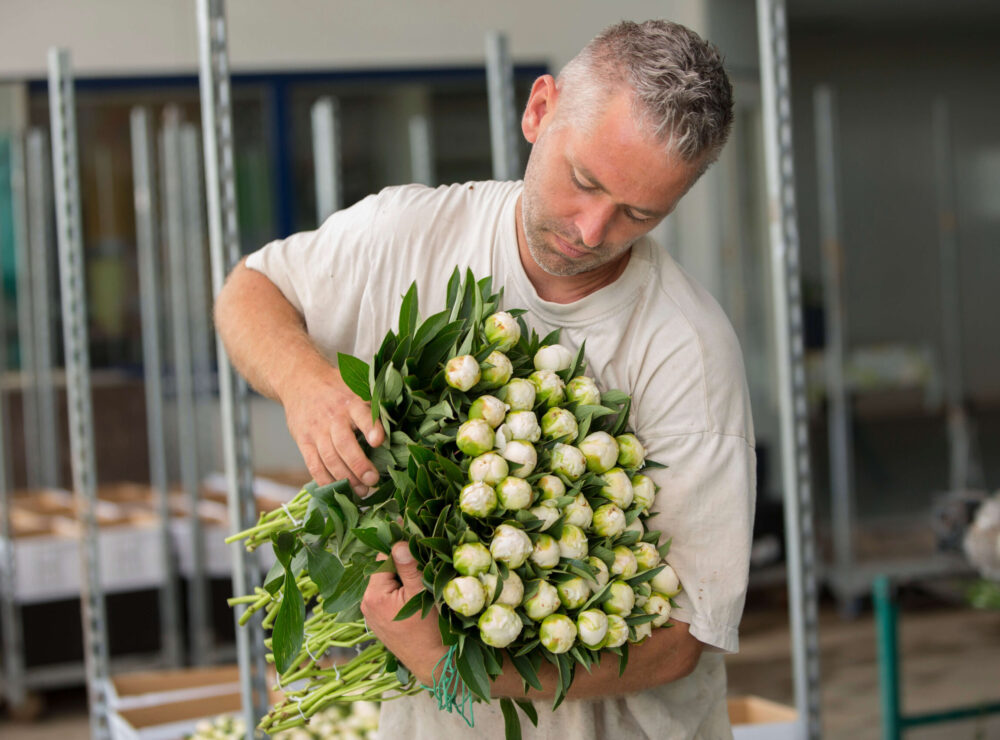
[{"x": 593, "y": 222}]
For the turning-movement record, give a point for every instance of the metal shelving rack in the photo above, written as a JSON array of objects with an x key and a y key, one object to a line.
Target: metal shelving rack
[
  {"x": 772, "y": 30},
  {"x": 325, "y": 117},
  {"x": 81, "y": 424},
  {"x": 503, "y": 117},
  {"x": 224, "y": 244}
]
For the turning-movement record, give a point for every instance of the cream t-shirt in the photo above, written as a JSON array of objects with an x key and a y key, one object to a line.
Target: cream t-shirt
[{"x": 654, "y": 333}]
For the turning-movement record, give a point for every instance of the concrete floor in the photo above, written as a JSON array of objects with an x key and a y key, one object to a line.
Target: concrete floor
[{"x": 951, "y": 657}]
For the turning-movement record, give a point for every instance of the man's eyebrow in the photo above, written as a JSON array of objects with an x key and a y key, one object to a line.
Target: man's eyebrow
[{"x": 589, "y": 176}]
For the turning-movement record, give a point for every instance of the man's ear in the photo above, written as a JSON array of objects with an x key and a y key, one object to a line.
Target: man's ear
[{"x": 540, "y": 108}]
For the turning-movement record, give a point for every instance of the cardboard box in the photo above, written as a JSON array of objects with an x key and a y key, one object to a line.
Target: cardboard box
[
  {"x": 171, "y": 720},
  {"x": 150, "y": 688},
  {"x": 755, "y": 718}
]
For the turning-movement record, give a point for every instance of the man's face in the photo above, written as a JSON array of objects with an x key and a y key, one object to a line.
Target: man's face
[{"x": 590, "y": 193}]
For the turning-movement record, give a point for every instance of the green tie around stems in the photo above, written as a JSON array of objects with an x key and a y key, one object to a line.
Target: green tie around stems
[{"x": 450, "y": 687}]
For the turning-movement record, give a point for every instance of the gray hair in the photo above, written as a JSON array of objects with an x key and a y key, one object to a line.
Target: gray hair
[{"x": 681, "y": 94}]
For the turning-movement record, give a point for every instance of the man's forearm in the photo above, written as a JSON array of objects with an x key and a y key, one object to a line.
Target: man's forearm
[
  {"x": 265, "y": 337},
  {"x": 667, "y": 655}
]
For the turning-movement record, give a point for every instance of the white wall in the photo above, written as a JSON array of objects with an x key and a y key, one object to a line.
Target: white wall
[{"x": 127, "y": 37}]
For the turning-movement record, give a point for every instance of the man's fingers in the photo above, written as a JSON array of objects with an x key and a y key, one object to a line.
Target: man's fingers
[
  {"x": 353, "y": 457},
  {"x": 406, "y": 569},
  {"x": 333, "y": 462},
  {"x": 373, "y": 432}
]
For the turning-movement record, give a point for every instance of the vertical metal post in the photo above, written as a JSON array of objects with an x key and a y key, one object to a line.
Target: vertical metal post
[
  {"x": 40, "y": 236},
  {"x": 886, "y": 621},
  {"x": 421, "y": 149},
  {"x": 10, "y": 616},
  {"x": 503, "y": 117},
  {"x": 224, "y": 243},
  {"x": 784, "y": 237},
  {"x": 25, "y": 317},
  {"x": 832, "y": 264},
  {"x": 144, "y": 195},
  {"x": 961, "y": 463},
  {"x": 81, "y": 422},
  {"x": 187, "y": 439},
  {"x": 326, "y": 157}
]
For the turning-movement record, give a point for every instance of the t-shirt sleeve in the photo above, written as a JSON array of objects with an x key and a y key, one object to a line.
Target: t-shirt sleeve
[
  {"x": 324, "y": 273},
  {"x": 705, "y": 504}
]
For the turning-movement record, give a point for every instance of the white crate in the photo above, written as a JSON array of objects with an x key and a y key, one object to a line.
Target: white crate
[
  {"x": 218, "y": 555},
  {"x": 151, "y": 688},
  {"x": 169, "y": 721},
  {"x": 755, "y": 718}
]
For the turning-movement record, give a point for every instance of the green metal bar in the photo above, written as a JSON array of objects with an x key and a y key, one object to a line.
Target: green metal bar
[
  {"x": 888, "y": 657},
  {"x": 950, "y": 715}
]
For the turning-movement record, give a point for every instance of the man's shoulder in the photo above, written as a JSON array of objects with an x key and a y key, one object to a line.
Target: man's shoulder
[{"x": 400, "y": 199}]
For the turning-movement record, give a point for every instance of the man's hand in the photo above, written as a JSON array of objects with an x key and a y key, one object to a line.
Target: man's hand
[
  {"x": 322, "y": 415},
  {"x": 415, "y": 641}
]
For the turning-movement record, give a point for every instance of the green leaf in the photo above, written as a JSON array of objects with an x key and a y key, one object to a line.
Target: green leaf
[
  {"x": 286, "y": 638},
  {"x": 472, "y": 669},
  {"x": 411, "y": 607},
  {"x": 325, "y": 569},
  {"x": 646, "y": 575},
  {"x": 393, "y": 390},
  {"x": 566, "y": 667},
  {"x": 369, "y": 536},
  {"x": 355, "y": 374},
  {"x": 274, "y": 578},
  {"x": 511, "y": 722},
  {"x": 529, "y": 710},
  {"x": 285, "y": 546},
  {"x": 408, "y": 312},
  {"x": 348, "y": 592},
  {"x": 623, "y": 661},
  {"x": 527, "y": 670}
]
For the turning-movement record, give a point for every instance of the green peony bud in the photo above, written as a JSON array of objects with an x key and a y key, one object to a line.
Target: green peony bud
[
  {"x": 488, "y": 468},
  {"x": 621, "y": 599},
  {"x": 510, "y": 545},
  {"x": 478, "y": 500},
  {"x": 592, "y": 627},
  {"x": 643, "y": 491},
  {"x": 471, "y": 558},
  {"x": 600, "y": 450},
  {"x": 583, "y": 390},
  {"x": 568, "y": 460},
  {"x": 496, "y": 370},
  {"x": 617, "y": 632},
  {"x": 465, "y": 595},
  {"x": 559, "y": 423},
  {"x": 617, "y": 488},
  {"x": 499, "y": 625},
  {"x": 546, "y": 551},
  {"x": 475, "y": 437},
  {"x": 515, "y": 493},
  {"x": 519, "y": 394},
  {"x": 502, "y": 328},
  {"x": 557, "y": 633},
  {"x": 489, "y": 408},
  {"x": 609, "y": 521},
  {"x": 462, "y": 372},
  {"x": 543, "y": 603},
  {"x": 631, "y": 453},
  {"x": 549, "y": 387},
  {"x": 573, "y": 593}
]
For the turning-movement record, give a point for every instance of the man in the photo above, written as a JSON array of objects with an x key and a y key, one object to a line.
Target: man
[{"x": 618, "y": 138}]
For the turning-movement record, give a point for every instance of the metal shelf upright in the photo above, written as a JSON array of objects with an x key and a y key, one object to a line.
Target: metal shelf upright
[
  {"x": 81, "y": 423},
  {"x": 503, "y": 116},
  {"x": 325, "y": 116},
  {"x": 772, "y": 31},
  {"x": 224, "y": 244}
]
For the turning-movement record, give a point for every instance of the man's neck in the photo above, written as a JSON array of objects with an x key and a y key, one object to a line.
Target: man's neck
[{"x": 564, "y": 288}]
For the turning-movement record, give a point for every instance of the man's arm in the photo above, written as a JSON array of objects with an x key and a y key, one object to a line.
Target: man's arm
[{"x": 266, "y": 340}]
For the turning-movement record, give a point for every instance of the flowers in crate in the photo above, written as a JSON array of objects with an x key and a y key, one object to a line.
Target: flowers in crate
[{"x": 519, "y": 489}]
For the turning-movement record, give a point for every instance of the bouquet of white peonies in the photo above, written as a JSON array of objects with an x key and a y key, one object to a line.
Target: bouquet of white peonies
[{"x": 522, "y": 496}]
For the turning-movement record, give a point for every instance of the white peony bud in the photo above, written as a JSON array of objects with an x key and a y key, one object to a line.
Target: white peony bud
[
  {"x": 646, "y": 556},
  {"x": 642, "y": 631},
  {"x": 519, "y": 394},
  {"x": 488, "y": 468},
  {"x": 601, "y": 571},
  {"x": 471, "y": 558},
  {"x": 592, "y": 627},
  {"x": 549, "y": 387},
  {"x": 659, "y": 606},
  {"x": 609, "y": 521},
  {"x": 489, "y": 408},
  {"x": 512, "y": 591},
  {"x": 572, "y": 542},
  {"x": 546, "y": 551},
  {"x": 557, "y": 633},
  {"x": 625, "y": 564},
  {"x": 515, "y": 493},
  {"x": 465, "y": 595},
  {"x": 631, "y": 453},
  {"x": 600, "y": 450},
  {"x": 558, "y": 423},
  {"x": 568, "y": 460},
  {"x": 475, "y": 437},
  {"x": 579, "y": 512},
  {"x": 510, "y": 545},
  {"x": 573, "y": 592},
  {"x": 551, "y": 487},
  {"x": 496, "y": 370},
  {"x": 543, "y": 603},
  {"x": 617, "y": 632},
  {"x": 499, "y": 625},
  {"x": 666, "y": 582},
  {"x": 502, "y": 328},
  {"x": 548, "y": 514},
  {"x": 643, "y": 491},
  {"x": 553, "y": 357},
  {"x": 521, "y": 458},
  {"x": 583, "y": 390},
  {"x": 617, "y": 488},
  {"x": 477, "y": 499},
  {"x": 462, "y": 372},
  {"x": 523, "y": 425},
  {"x": 621, "y": 599}
]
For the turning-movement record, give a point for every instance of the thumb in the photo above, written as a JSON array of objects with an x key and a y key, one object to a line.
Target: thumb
[{"x": 406, "y": 569}]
